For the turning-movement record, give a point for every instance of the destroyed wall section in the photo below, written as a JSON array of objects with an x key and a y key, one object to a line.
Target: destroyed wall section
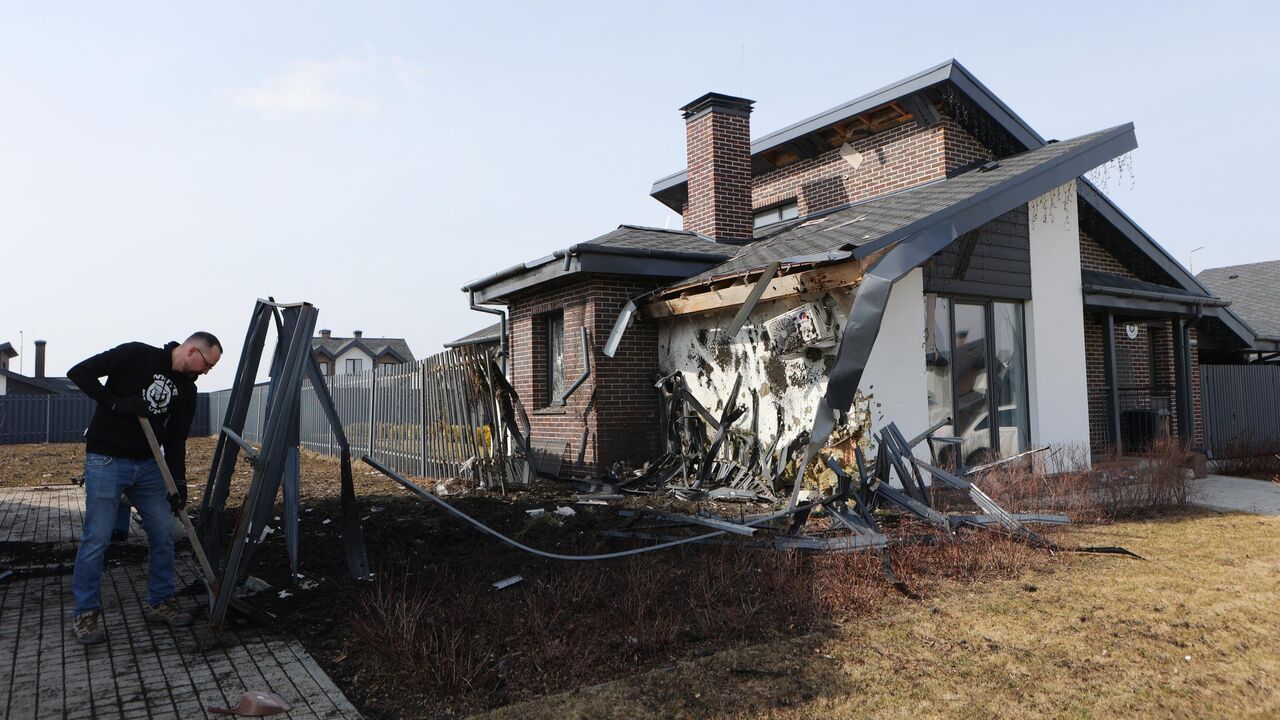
[
  {"x": 896, "y": 159},
  {"x": 622, "y": 422},
  {"x": 786, "y": 390}
]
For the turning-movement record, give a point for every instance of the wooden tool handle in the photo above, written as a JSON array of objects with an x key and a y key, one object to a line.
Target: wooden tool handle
[{"x": 182, "y": 512}]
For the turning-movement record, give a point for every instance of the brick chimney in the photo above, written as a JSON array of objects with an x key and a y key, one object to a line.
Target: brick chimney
[
  {"x": 718, "y": 132},
  {"x": 357, "y": 334},
  {"x": 40, "y": 359},
  {"x": 325, "y": 334}
]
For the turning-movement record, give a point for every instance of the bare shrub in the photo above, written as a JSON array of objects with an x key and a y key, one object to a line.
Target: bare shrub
[
  {"x": 1154, "y": 481},
  {"x": 428, "y": 625},
  {"x": 1249, "y": 456}
]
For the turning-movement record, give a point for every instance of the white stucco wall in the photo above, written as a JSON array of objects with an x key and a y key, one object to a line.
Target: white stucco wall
[
  {"x": 894, "y": 381},
  {"x": 4, "y": 384},
  {"x": 1058, "y": 390},
  {"x": 340, "y": 364}
]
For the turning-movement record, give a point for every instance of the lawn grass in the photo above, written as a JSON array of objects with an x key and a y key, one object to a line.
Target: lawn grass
[{"x": 1088, "y": 637}]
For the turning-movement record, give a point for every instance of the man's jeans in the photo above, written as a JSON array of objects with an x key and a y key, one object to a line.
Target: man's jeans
[{"x": 105, "y": 479}]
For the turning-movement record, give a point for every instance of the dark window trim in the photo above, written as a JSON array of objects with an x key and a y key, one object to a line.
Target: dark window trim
[{"x": 993, "y": 399}]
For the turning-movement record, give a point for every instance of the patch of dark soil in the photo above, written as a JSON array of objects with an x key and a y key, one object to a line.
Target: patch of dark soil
[{"x": 431, "y": 637}]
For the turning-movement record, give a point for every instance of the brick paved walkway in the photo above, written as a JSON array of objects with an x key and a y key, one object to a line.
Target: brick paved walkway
[{"x": 144, "y": 670}]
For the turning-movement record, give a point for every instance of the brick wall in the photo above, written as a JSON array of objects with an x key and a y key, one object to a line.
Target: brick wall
[
  {"x": 1094, "y": 257},
  {"x": 1161, "y": 372},
  {"x": 896, "y": 159},
  {"x": 719, "y": 163},
  {"x": 622, "y": 423}
]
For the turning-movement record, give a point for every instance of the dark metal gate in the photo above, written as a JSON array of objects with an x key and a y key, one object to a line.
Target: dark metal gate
[{"x": 1241, "y": 408}]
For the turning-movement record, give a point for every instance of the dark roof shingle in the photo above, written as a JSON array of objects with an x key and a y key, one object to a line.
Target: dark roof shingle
[
  {"x": 1254, "y": 292},
  {"x": 870, "y": 220}
]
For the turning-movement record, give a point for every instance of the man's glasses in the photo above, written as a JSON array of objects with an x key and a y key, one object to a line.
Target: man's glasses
[{"x": 208, "y": 365}]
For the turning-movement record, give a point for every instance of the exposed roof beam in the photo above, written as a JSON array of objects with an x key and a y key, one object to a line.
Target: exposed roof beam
[{"x": 826, "y": 277}]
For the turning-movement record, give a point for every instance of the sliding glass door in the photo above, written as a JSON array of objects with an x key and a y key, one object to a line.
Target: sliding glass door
[{"x": 976, "y": 375}]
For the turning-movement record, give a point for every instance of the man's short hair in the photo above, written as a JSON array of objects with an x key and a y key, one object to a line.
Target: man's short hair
[{"x": 207, "y": 339}]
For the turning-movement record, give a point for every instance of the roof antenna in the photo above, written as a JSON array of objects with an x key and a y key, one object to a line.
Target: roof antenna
[{"x": 742, "y": 64}]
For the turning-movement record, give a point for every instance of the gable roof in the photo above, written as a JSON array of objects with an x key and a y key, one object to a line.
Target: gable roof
[
  {"x": 55, "y": 386},
  {"x": 332, "y": 347},
  {"x": 673, "y": 189},
  {"x": 966, "y": 200},
  {"x": 957, "y": 84},
  {"x": 1254, "y": 292},
  {"x": 491, "y": 334},
  {"x": 629, "y": 250},
  {"x": 7, "y": 349}
]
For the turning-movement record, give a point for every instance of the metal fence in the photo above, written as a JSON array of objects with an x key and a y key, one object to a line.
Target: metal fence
[
  {"x": 431, "y": 418},
  {"x": 63, "y": 418},
  {"x": 1241, "y": 408}
]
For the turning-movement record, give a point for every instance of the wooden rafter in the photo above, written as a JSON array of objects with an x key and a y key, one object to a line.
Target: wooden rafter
[{"x": 709, "y": 298}]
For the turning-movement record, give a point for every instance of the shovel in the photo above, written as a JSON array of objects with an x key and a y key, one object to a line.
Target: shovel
[{"x": 210, "y": 580}]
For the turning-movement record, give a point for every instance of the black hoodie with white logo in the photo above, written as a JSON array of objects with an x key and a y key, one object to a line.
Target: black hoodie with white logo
[{"x": 138, "y": 370}]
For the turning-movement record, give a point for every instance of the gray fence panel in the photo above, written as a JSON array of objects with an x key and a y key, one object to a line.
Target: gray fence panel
[
  {"x": 425, "y": 417},
  {"x": 64, "y": 418},
  {"x": 1241, "y": 407}
]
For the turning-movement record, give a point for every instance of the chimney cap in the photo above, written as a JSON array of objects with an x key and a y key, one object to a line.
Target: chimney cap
[
  {"x": 717, "y": 102},
  {"x": 40, "y": 342},
  {"x": 357, "y": 333},
  {"x": 325, "y": 332}
]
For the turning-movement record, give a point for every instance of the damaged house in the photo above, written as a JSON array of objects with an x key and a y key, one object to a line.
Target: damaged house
[{"x": 917, "y": 255}]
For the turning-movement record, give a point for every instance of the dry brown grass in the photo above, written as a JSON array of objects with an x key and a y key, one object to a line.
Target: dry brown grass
[
  {"x": 462, "y": 645},
  {"x": 1092, "y": 637}
]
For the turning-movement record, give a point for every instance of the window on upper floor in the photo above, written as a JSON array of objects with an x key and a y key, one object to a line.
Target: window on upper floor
[
  {"x": 777, "y": 213},
  {"x": 354, "y": 365}
]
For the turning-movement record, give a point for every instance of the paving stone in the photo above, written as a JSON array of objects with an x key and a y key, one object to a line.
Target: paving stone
[{"x": 144, "y": 670}]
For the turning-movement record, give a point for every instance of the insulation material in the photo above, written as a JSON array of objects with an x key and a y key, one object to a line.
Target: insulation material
[{"x": 784, "y": 383}]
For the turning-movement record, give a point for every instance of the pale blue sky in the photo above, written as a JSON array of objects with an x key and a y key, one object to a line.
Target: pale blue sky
[{"x": 163, "y": 166}]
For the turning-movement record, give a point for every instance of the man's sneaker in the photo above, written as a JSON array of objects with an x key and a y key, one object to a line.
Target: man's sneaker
[
  {"x": 169, "y": 612},
  {"x": 88, "y": 627}
]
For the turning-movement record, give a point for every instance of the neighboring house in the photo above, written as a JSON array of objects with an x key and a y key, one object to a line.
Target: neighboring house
[
  {"x": 485, "y": 338},
  {"x": 13, "y": 383},
  {"x": 1035, "y": 311},
  {"x": 356, "y": 354},
  {"x": 1254, "y": 292}
]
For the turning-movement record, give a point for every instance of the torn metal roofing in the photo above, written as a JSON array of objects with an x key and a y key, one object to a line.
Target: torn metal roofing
[
  {"x": 1254, "y": 292},
  {"x": 628, "y": 250},
  {"x": 874, "y": 223}
]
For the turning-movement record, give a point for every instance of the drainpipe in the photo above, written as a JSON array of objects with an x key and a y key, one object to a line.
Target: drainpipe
[{"x": 502, "y": 338}]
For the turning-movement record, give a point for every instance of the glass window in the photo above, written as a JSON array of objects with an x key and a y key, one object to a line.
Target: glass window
[
  {"x": 789, "y": 211},
  {"x": 937, "y": 359},
  {"x": 1010, "y": 364},
  {"x": 976, "y": 371},
  {"x": 354, "y": 365},
  {"x": 555, "y": 357},
  {"x": 969, "y": 373}
]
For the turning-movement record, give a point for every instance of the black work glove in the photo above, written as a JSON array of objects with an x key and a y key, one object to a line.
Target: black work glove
[
  {"x": 132, "y": 406},
  {"x": 178, "y": 500}
]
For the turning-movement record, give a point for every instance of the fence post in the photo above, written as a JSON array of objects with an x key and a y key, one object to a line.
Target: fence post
[
  {"x": 422, "y": 417},
  {"x": 48, "y": 418},
  {"x": 373, "y": 405}
]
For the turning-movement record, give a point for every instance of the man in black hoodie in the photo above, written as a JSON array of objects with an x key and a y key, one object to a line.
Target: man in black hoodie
[{"x": 142, "y": 381}]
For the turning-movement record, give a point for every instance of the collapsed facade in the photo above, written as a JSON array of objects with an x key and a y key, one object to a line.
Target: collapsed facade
[{"x": 917, "y": 255}]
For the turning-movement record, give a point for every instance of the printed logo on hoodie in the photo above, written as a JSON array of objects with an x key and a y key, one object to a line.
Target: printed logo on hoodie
[{"x": 161, "y": 392}]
